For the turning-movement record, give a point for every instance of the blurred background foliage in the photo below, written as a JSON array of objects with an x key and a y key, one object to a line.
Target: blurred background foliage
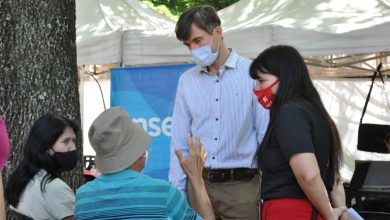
[{"x": 173, "y": 8}]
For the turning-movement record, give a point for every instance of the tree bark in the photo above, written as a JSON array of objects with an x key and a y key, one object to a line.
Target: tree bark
[{"x": 38, "y": 70}]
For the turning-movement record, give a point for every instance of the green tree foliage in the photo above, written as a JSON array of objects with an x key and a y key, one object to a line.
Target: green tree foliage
[{"x": 173, "y": 8}]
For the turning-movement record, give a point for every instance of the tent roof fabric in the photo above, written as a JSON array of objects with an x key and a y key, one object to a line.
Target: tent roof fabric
[
  {"x": 127, "y": 32},
  {"x": 315, "y": 27},
  {"x": 96, "y": 18},
  {"x": 100, "y": 24},
  {"x": 331, "y": 16}
]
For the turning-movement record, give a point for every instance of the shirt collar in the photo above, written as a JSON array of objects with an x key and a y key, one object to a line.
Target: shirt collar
[
  {"x": 231, "y": 62},
  {"x": 126, "y": 173}
]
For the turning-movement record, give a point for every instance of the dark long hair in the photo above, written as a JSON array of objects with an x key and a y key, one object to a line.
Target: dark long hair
[
  {"x": 287, "y": 64},
  {"x": 43, "y": 135}
]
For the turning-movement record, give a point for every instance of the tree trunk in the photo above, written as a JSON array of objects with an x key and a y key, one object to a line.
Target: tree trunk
[{"x": 38, "y": 70}]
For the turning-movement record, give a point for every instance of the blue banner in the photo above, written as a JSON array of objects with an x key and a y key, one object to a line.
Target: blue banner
[{"x": 148, "y": 94}]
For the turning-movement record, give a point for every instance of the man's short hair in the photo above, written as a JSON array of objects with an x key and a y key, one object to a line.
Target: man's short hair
[{"x": 205, "y": 17}]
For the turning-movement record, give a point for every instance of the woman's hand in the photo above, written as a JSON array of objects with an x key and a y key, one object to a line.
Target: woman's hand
[
  {"x": 344, "y": 216},
  {"x": 338, "y": 197},
  {"x": 193, "y": 164},
  {"x": 339, "y": 213}
]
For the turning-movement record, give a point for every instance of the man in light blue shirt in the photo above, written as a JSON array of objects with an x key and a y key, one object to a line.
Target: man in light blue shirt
[{"x": 215, "y": 101}]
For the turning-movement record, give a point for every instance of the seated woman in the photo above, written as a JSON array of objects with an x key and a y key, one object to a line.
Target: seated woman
[
  {"x": 35, "y": 188},
  {"x": 300, "y": 155}
]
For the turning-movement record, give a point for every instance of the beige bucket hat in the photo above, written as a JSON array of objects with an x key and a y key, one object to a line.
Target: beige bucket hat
[{"x": 117, "y": 140}]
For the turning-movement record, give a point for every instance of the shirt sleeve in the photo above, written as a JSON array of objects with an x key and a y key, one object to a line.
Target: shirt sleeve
[
  {"x": 59, "y": 198},
  {"x": 293, "y": 132},
  {"x": 181, "y": 127},
  {"x": 178, "y": 208}
]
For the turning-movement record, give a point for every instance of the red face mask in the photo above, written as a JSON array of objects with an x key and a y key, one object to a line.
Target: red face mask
[{"x": 266, "y": 95}]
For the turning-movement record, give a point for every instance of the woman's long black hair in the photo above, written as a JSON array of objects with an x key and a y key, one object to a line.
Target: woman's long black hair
[
  {"x": 43, "y": 135},
  {"x": 287, "y": 64}
]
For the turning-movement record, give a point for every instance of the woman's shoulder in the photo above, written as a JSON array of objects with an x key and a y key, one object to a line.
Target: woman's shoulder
[
  {"x": 295, "y": 110},
  {"x": 52, "y": 185},
  {"x": 295, "y": 105},
  {"x": 301, "y": 110},
  {"x": 57, "y": 184},
  {"x": 58, "y": 190}
]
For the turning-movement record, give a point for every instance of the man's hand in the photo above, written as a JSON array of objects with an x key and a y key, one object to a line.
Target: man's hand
[{"x": 193, "y": 164}]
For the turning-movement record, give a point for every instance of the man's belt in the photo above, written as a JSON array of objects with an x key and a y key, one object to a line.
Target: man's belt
[{"x": 223, "y": 175}]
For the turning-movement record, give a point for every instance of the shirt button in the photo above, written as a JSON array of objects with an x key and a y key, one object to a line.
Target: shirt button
[
  {"x": 213, "y": 158},
  {"x": 215, "y": 139},
  {"x": 216, "y": 100},
  {"x": 216, "y": 119},
  {"x": 217, "y": 80}
]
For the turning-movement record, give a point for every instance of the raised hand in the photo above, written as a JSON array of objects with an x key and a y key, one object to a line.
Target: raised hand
[
  {"x": 193, "y": 164},
  {"x": 193, "y": 167}
]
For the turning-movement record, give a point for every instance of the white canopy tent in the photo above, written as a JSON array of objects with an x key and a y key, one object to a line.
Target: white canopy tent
[
  {"x": 347, "y": 38},
  {"x": 117, "y": 31},
  {"x": 349, "y": 30},
  {"x": 335, "y": 37},
  {"x": 130, "y": 33}
]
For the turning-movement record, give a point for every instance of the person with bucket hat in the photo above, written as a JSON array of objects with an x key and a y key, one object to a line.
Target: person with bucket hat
[{"x": 121, "y": 191}]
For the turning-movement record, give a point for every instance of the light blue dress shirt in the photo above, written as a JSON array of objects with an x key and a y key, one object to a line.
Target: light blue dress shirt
[{"x": 223, "y": 112}]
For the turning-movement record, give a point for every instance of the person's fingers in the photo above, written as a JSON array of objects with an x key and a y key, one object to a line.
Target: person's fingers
[
  {"x": 344, "y": 216},
  {"x": 197, "y": 146},
  {"x": 202, "y": 151},
  {"x": 179, "y": 155},
  {"x": 339, "y": 211},
  {"x": 204, "y": 155},
  {"x": 343, "y": 209},
  {"x": 190, "y": 144}
]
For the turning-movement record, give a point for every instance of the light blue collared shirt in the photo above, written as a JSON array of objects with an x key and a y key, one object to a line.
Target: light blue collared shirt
[{"x": 223, "y": 112}]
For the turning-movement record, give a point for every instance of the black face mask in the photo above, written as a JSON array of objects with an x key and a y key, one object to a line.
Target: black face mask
[{"x": 66, "y": 160}]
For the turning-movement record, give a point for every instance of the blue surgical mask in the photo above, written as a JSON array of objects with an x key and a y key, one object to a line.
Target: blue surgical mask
[{"x": 204, "y": 56}]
